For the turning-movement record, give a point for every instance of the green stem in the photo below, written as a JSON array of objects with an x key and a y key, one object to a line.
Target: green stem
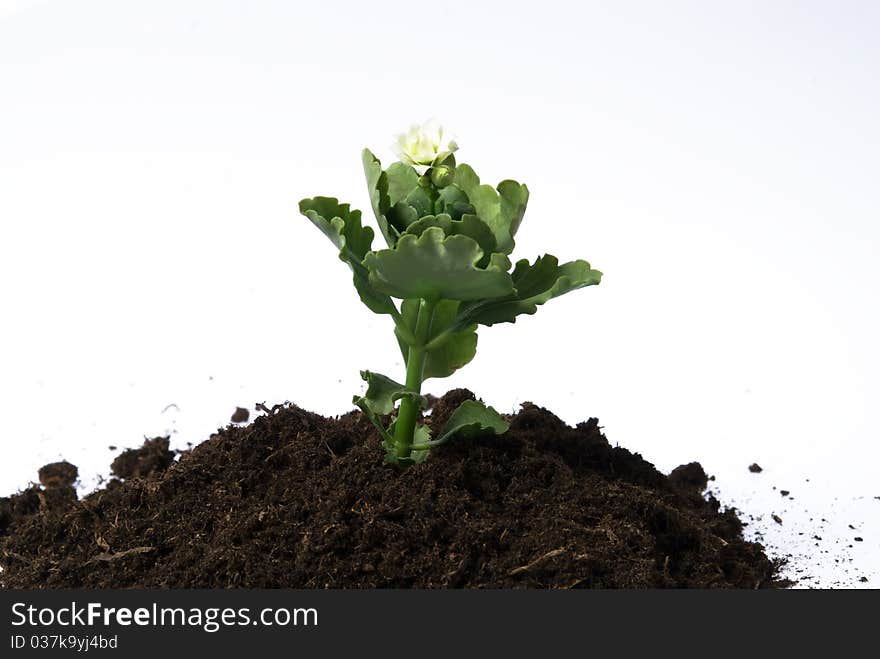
[
  {"x": 440, "y": 339},
  {"x": 415, "y": 364},
  {"x": 404, "y": 332},
  {"x": 434, "y": 442}
]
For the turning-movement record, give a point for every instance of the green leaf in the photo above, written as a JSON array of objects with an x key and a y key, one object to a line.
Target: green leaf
[
  {"x": 535, "y": 284},
  {"x": 434, "y": 266},
  {"x": 380, "y": 200},
  {"x": 402, "y": 180},
  {"x": 409, "y": 314},
  {"x": 343, "y": 227},
  {"x": 420, "y": 202},
  {"x": 471, "y": 419},
  {"x": 421, "y": 435},
  {"x": 457, "y": 348},
  {"x": 502, "y": 209},
  {"x": 383, "y": 392},
  {"x": 408, "y": 200},
  {"x": 399, "y": 217},
  {"x": 514, "y": 199},
  {"x": 395, "y": 195},
  {"x": 381, "y": 395},
  {"x": 454, "y": 202},
  {"x": 469, "y": 225}
]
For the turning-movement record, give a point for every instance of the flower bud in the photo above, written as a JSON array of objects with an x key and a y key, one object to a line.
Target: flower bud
[{"x": 442, "y": 176}]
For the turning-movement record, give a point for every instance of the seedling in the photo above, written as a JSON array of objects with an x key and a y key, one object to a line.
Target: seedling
[{"x": 449, "y": 238}]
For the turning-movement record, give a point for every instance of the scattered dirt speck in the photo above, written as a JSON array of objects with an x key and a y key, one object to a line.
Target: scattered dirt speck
[{"x": 241, "y": 415}]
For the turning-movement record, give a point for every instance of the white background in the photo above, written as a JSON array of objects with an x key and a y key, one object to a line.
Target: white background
[{"x": 718, "y": 161}]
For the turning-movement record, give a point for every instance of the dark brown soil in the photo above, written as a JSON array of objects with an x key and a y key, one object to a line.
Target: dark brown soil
[
  {"x": 241, "y": 415},
  {"x": 151, "y": 459},
  {"x": 298, "y": 500},
  {"x": 58, "y": 474}
]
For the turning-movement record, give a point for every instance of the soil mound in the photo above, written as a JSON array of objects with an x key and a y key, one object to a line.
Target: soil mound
[{"x": 297, "y": 500}]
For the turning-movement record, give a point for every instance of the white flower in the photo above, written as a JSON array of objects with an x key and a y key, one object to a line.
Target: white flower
[{"x": 422, "y": 146}]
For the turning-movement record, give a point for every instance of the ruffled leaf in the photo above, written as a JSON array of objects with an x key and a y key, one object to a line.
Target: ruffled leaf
[
  {"x": 402, "y": 180},
  {"x": 409, "y": 201},
  {"x": 379, "y": 400},
  {"x": 470, "y": 420},
  {"x": 383, "y": 392},
  {"x": 535, "y": 284},
  {"x": 454, "y": 202},
  {"x": 434, "y": 266},
  {"x": 514, "y": 198},
  {"x": 343, "y": 227},
  {"x": 377, "y": 186},
  {"x": 458, "y": 347},
  {"x": 395, "y": 195},
  {"x": 502, "y": 208},
  {"x": 469, "y": 225}
]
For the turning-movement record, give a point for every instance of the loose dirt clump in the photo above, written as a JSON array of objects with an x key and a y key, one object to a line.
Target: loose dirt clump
[
  {"x": 241, "y": 415},
  {"x": 151, "y": 459},
  {"x": 58, "y": 474}
]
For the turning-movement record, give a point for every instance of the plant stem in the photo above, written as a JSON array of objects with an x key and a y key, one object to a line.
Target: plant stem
[
  {"x": 441, "y": 338},
  {"x": 415, "y": 365}
]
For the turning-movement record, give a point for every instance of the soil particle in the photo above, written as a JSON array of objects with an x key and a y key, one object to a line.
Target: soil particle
[
  {"x": 296, "y": 500},
  {"x": 58, "y": 474},
  {"x": 859, "y": 539},
  {"x": 784, "y": 493},
  {"x": 755, "y": 468},
  {"x": 241, "y": 415},
  {"x": 689, "y": 476},
  {"x": 151, "y": 459},
  {"x": 777, "y": 519}
]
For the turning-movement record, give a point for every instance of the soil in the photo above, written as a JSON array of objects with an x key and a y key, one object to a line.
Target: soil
[
  {"x": 151, "y": 459},
  {"x": 58, "y": 474},
  {"x": 298, "y": 500},
  {"x": 241, "y": 415}
]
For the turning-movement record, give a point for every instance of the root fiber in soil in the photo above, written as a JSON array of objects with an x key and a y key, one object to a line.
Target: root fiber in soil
[{"x": 297, "y": 500}]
